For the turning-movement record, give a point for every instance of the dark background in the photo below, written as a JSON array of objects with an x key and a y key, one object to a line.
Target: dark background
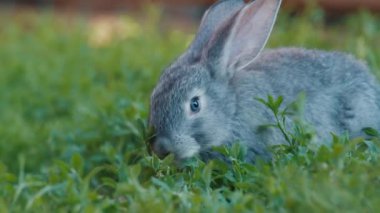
[{"x": 331, "y": 6}]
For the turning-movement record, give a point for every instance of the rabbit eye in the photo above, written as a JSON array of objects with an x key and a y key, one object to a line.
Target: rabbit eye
[{"x": 194, "y": 104}]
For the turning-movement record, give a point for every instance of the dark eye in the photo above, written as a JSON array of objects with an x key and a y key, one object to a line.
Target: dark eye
[{"x": 194, "y": 104}]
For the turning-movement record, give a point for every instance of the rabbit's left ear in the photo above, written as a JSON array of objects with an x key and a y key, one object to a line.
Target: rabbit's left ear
[
  {"x": 241, "y": 39},
  {"x": 212, "y": 19}
]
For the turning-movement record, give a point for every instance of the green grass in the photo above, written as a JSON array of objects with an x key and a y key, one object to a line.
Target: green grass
[{"x": 72, "y": 126}]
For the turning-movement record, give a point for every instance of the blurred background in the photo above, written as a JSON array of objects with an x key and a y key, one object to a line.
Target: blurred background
[
  {"x": 189, "y": 8},
  {"x": 119, "y": 5},
  {"x": 179, "y": 14},
  {"x": 76, "y": 75},
  {"x": 76, "y": 78}
]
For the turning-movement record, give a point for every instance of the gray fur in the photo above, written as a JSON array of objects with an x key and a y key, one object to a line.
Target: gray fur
[{"x": 341, "y": 94}]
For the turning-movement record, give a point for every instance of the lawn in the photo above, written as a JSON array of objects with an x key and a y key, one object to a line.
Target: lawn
[{"x": 74, "y": 100}]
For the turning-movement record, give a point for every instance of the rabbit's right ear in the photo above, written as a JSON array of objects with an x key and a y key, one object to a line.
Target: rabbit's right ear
[
  {"x": 240, "y": 39},
  {"x": 215, "y": 16}
]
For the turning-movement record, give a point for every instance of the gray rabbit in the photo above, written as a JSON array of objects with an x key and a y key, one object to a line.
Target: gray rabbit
[{"x": 207, "y": 96}]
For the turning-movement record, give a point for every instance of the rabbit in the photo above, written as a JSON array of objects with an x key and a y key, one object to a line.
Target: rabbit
[{"x": 206, "y": 97}]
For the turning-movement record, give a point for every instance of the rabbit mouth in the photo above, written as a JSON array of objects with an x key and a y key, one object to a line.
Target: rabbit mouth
[
  {"x": 187, "y": 149},
  {"x": 201, "y": 138}
]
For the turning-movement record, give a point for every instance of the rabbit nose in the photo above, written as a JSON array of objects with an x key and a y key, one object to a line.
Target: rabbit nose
[{"x": 159, "y": 148}]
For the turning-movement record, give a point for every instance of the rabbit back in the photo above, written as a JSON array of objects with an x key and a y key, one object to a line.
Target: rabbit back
[{"x": 341, "y": 94}]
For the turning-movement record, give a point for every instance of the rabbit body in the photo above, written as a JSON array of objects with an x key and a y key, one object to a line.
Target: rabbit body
[
  {"x": 341, "y": 94},
  {"x": 207, "y": 96}
]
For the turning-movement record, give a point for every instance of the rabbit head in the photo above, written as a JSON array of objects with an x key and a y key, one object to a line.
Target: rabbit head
[{"x": 194, "y": 106}]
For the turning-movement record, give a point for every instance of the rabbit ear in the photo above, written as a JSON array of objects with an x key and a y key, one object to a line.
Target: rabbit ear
[
  {"x": 212, "y": 19},
  {"x": 242, "y": 38}
]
